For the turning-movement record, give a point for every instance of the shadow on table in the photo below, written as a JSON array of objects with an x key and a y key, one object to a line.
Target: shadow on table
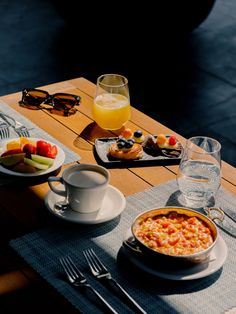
[
  {"x": 88, "y": 136},
  {"x": 177, "y": 199},
  {"x": 14, "y": 181},
  {"x": 159, "y": 286},
  {"x": 72, "y": 230}
]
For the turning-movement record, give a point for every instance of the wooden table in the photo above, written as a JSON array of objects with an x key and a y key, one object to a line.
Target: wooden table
[{"x": 22, "y": 208}]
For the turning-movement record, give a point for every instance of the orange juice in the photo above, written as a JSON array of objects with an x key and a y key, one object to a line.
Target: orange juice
[{"x": 111, "y": 111}]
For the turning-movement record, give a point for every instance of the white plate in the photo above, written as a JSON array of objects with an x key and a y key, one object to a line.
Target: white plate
[
  {"x": 113, "y": 204},
  {"x": 217, "y": 258},
  {"x": 57, "y": 162}
]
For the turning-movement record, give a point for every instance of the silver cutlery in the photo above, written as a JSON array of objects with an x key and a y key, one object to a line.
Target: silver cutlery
[
  {"x": 101, "y": 273},
  {"x": 4, "y": 130},
  {"x": 77, "y": 279},
  {"x": 18, "y": 127},
  {"x": 61, "y": 206}
]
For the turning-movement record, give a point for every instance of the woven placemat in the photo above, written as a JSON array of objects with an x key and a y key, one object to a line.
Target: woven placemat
[
  {"x": 35, "y": 132},
  {"x": 41, "y": 249}
]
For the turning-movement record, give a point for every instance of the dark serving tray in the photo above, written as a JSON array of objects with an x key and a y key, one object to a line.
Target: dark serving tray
[{"x": 101, "y": 148}]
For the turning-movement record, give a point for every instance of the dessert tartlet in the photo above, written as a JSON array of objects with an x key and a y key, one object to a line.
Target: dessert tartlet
[
  {"x": 162, "y": 144},
  {"x": 167, "y": 142},
  {"x": 125, "y": 149},
  {"x": 138, "y": 136}
]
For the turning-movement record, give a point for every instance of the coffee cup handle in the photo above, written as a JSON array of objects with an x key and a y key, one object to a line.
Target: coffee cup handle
[{"x": 53, "y": 188}]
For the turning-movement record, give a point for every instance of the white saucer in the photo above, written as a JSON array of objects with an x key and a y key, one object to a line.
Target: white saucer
[
  {"x": 217, "y": 258},
  {"x": 113, "y": 204}
]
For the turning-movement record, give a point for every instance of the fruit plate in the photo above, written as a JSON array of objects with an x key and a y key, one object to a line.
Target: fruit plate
[
  {"x": 58, "y": 161},
  {"x": 101, "y": 148}
]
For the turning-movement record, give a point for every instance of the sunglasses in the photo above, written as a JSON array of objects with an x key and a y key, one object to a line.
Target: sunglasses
[{"x": 60, "y": 103}]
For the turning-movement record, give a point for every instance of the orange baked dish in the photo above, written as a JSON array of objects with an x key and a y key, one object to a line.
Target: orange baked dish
[{"x": 175, "y": 234}]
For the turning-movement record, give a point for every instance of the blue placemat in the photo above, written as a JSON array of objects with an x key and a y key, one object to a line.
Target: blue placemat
[
  {"x": 41, "y": 249},
  {"x": 35, "y": 132}
]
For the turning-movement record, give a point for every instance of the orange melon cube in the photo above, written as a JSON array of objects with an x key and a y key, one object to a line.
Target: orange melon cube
[
  {"x": 127, "y": 133},
  {"x": 161, "y": 138},
  {"x": 13, "y": 145}
]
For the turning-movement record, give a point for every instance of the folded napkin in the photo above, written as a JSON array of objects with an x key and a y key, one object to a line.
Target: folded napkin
[
  {"x": 35, "y": 132},
  {"x": 41, "y": 249}
]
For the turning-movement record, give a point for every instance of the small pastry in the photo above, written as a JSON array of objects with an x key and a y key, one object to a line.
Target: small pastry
[
  {"x": 150, "y": 146},
  {"x": 149, "y": 141},
  {"x": 126, "y": 149},
  {"x": 138, "y": 136},
  {"x": 171, "y": 147},
  {"x": 162, "y": 145},
  {"x": 161, "y": 140},
  {"x": 126, "y": 133},
  {"x": 167, "y": 142},
  {"x": 172, "y": 143}
]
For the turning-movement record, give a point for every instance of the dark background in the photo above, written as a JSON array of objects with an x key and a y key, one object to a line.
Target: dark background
[{"x": 183, "y": 79}]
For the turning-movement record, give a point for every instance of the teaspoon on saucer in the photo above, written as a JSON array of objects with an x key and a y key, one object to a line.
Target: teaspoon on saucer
[{"x": 61, "y": 206}]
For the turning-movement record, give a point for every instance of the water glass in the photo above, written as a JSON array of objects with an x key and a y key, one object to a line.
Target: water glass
[{"x": 199, "y": 173}]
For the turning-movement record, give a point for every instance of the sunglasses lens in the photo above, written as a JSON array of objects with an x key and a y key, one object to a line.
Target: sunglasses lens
[
  {"x": 64, "y": 101},
  {"x": 33, "y": 98}
]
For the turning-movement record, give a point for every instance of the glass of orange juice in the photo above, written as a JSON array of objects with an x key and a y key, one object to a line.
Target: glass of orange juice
[{"x": 111, "y": 108}]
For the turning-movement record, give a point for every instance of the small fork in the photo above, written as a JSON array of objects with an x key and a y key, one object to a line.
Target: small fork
[
  {"x": 18, "y": 127},
  {"x": 77, "y": 279},
  {"x": 4, "y": 130},
  {"x": 101, "y": 273}
]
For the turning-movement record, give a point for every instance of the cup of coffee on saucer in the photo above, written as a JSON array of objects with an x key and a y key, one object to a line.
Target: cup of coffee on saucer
[{"x": 84, "y": 187}]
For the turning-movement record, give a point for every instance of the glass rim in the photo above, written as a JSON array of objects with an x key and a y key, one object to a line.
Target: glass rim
[
  {"x": 190, "y": 141},
  {"x": 115, "y": 85}
]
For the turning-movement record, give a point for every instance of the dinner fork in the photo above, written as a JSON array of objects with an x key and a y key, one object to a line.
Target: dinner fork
[
  {"x": 101, "y": 273},
  {"x": 18, "y": 127},
  {"x": 4, "y": 130},
  {"x": 77, "y": 279}
]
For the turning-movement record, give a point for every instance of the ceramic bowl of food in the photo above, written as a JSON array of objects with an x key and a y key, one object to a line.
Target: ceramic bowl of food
[{"x": 176, "y": 235}]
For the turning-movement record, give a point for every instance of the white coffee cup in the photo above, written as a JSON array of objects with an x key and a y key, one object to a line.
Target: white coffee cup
[{"x": 85, "y": 186}]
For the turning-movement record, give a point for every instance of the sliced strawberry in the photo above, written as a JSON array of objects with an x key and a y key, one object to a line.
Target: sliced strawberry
[
  {"x": 45, "y": 149},
  {"x": 54, "y": 151},
  {"x": 42, "y": 144}
]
